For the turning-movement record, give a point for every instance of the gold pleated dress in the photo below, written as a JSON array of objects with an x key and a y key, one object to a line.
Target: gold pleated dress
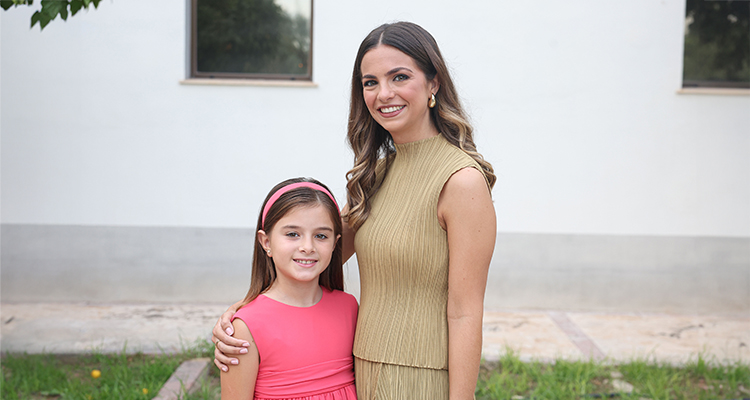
[{"x": 401, "y": 342}]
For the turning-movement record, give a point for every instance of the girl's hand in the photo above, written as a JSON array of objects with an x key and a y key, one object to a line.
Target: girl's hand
[{"x": 224, "y": 344}]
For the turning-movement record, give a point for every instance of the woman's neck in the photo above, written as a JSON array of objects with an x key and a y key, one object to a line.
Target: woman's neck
[
  {"x": 298, "y": 294},
  {"x": 414, "y": 135}
]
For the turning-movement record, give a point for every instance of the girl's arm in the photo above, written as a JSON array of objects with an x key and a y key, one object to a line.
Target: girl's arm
[
  {"x": 466, "y": 212},
  {"x": 239, "y": 382},
  {"x": 222, "y": 332}
]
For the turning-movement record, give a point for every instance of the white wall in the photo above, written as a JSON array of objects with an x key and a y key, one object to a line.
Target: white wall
[{"x": 574, "y": 103}]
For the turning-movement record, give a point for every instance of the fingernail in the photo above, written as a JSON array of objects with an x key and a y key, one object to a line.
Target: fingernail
[
  {"x": 243, "y": 351},
  {"x": 235, "y": 362},
  {"x": 229, "y": 331},
  {"x": 245, "y": 344},
  {"x": 224, "y": 369}
]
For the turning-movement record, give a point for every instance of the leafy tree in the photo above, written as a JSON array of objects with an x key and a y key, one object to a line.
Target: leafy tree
[{"x": 51, "y": 9}]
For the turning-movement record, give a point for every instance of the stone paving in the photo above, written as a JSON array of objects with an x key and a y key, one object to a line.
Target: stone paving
[{"x": 532, "y": 335}]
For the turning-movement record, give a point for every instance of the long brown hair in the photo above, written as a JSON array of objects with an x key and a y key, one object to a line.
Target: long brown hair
[
  {"x": 264, "y": 271},
  {"x": 370, "y": 141}
]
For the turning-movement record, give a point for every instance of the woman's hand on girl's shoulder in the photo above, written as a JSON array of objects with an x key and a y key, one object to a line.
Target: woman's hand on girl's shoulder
[{"x": 224, "y": 344}]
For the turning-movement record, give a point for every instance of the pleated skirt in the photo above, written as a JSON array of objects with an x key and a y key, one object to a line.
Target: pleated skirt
[{"x": 380, "y": 381}]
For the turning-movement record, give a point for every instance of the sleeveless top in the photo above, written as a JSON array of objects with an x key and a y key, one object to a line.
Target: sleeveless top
[
  {"x": 402, "y": 253},
  {"x": 305, "y": 352}
]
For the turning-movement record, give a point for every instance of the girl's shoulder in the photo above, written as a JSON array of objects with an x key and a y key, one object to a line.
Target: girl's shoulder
[
  {"x": 257, "y": 306},
  {"x": 342, "y": 297}
]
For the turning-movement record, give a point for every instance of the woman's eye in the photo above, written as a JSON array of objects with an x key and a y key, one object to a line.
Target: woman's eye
[
  {"x": 400, "y": 77},
  {"x": 369, "y": 83}
]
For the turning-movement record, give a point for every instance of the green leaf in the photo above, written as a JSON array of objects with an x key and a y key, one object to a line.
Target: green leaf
[
  {"x": 75, "y": 6},
  {"x": 35, "y": 18},
  {"x": 96, "y": 3},
  {"x": 6, "y": 4},
  {"x": 53, "y": 7},
  {"x": 44, "y": 19},
  {"x": 64, "y": 11}
]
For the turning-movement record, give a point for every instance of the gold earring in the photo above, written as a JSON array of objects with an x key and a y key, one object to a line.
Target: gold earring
[{"x": 432, "y": 101}]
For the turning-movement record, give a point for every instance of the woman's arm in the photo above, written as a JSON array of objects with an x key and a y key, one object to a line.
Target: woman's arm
[
  {"x": 224, "y": 342},
  {"x": 239, "y": 383},
  {"x": 466, "y": 212}
]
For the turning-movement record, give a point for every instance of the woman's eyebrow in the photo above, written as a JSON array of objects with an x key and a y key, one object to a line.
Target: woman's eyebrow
[{"x": 391, "y": 72}]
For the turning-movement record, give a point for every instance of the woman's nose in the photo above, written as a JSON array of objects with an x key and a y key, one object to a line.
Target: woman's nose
[{"x": 385, "y": 94}]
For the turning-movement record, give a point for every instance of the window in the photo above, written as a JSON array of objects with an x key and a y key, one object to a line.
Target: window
[
  {"x": 252, "y": 39},
  {"x": 717, "y": 44}
]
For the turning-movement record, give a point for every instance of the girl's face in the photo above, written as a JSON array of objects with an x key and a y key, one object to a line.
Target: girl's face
[
  {"x": 301, "y": 244},
  {"x": 396, "y": 93}
]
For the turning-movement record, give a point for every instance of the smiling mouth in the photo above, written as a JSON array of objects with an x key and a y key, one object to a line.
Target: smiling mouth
[
  {"x": 391, "y": 109},
  {"x": 306, "y": 262}
]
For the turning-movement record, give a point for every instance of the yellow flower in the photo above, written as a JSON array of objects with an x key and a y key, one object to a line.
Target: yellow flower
[
  {"x": 96, "y": 373},
  {"x": 145, "y": 391}
]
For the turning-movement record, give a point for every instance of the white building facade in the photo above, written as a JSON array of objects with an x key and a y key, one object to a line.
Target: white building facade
[{"x": 125, "y": 181}]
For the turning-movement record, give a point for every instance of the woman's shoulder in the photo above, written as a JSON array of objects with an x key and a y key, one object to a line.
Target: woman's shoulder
[{"x": 454, "y": 152}]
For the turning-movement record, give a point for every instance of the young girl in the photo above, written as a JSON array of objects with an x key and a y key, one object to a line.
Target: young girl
[{"x": 298, "y": 321}]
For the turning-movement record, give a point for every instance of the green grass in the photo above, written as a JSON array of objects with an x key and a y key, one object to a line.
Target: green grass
[
  {"x": 698, "y": 379},
  {"x": 124, "y": 376}
]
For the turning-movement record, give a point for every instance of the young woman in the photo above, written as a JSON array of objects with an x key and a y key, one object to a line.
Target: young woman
[
  {"x": 298, "y": 322},
  {"x": 421, "y": 220}
]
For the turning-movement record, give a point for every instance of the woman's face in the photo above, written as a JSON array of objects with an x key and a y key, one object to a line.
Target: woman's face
[{"x": 396, "y": 93}]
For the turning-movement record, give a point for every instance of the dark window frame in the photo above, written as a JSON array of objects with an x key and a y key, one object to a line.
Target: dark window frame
[
  {"x": 194, "y": 73},
  {"x": 708, "y": 84}
]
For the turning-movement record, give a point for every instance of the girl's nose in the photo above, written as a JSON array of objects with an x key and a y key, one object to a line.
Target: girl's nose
[{"x": 306, "y": 246}]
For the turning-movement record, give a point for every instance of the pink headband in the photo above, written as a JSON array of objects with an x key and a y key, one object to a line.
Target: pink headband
[{"x": 287, "y": 188}]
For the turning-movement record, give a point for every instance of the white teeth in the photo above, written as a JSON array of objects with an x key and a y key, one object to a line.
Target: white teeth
[
  {"x": 386, "y": 110},
  {"x": 305, "y": 261}
]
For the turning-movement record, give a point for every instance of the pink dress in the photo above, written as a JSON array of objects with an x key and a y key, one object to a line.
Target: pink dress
[{"x": 305, "y": 352}]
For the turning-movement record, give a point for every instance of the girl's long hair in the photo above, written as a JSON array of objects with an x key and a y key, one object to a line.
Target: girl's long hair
[
  {"x": 370, "y": 141},
  {"x": 264, "y": 272}
]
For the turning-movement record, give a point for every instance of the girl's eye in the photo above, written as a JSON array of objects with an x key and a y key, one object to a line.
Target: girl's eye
[
  {"x": 292, "y": 234},
  {"x": 400, "y": 77},
  {"x": 321, "y": 236},
  {"x": 369, "y": 83}
]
